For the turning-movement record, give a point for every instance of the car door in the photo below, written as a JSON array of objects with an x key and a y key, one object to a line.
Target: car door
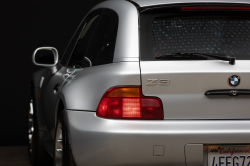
[{"x": 54, "y": 83}]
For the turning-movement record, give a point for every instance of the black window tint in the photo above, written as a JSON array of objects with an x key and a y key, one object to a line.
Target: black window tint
[
  {"x": 203, "y": 32},
  {"x": 84, "y": 38},
  {"x": 71, "y": 45},
  {"x": 101, "y": 48}
]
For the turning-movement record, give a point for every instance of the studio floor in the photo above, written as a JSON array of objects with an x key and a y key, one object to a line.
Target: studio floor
[{"x": 14, "y": 156}]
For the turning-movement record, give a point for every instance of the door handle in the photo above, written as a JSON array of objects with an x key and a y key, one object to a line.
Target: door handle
[{"x": 56, "y": 88}]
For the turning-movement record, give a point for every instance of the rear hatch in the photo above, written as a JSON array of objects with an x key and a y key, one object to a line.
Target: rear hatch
[{"x": 180, "y": 81}]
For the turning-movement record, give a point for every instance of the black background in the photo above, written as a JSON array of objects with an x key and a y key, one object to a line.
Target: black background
[{"x": 26, "y": 25}]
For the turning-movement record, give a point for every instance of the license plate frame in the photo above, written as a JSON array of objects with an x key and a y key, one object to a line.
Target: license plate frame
[{"x": 224, "y": 155}]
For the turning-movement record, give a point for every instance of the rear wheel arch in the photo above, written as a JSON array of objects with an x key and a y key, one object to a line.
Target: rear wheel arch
[{"x": 60, "y": 116}]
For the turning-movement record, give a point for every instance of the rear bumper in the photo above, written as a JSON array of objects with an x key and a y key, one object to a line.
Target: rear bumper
[{"x": 97, "y": 141}]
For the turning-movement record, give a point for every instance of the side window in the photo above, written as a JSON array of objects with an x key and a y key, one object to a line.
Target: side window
[
  {"x": 102, "y": 45},
  {"x": 71, "y": 45},
  {"x": 86, "y": 32}
]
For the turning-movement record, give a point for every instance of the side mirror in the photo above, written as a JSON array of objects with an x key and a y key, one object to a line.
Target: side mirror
[{"x": 47, "y": 57}]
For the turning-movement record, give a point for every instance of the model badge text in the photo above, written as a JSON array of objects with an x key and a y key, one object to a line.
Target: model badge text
[{"x": 152, "y": 82}]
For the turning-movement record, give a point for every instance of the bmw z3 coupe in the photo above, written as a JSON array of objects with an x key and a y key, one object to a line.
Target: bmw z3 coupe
[{"x": 146, "y": 83}]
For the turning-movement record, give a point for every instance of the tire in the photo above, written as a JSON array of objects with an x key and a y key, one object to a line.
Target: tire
[
  {"x": 62, "y": 151},
  {"x": 37, "y": 154}
]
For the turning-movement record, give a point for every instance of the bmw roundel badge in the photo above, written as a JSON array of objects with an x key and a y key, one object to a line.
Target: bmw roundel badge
[{"x": 234, "y": 80}]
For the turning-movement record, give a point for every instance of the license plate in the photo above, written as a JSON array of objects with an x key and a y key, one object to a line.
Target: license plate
[{"x": 229, "y": 156}]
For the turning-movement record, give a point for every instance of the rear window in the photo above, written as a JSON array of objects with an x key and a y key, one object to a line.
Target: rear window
[{"x": 195, "y": 32}]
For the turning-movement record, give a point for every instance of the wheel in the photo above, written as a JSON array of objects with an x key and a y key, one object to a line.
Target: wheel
[
  {"x": 38, "y": 155},
  {"x": 30, "y": 127},
  {"x": 62, "y": 152}
]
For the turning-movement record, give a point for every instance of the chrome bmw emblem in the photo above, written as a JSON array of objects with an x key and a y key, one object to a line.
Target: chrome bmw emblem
[{"x": 234, "y": 80}]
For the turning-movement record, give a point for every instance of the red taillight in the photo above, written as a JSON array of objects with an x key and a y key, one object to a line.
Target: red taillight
[
  {"x": 129, "y": 103},
  {"x": 215, "y": 8}
]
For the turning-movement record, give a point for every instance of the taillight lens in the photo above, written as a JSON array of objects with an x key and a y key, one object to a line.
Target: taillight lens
[
  {"x": 215, "y": 8},
  {"x": 129, "y": 103}
]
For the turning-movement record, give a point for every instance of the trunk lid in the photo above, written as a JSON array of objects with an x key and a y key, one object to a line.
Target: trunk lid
[{"x": 184, "y": 97}]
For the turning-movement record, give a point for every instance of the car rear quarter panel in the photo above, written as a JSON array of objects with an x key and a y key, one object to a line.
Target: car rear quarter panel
[{"x": 89, "y": 85}]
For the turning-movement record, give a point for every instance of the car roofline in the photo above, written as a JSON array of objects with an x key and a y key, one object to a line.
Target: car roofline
[{"x": 178, "y": 4}]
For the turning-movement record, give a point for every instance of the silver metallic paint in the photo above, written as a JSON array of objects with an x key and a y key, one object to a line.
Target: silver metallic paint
[
  {"x": 194, "y": 154},
  {"x": 125, "y": 48},
  {"x": 184, "y": 98},
  {"x": 144, "y": 3},
  {"x": 106, "y": 142},
  {"x": 55, "y": 54},
  {"x": 164, "y": 82},
  {"x": 126, "y": 60},
  {"x": 127, "y": 74},
  {"x": 79, "y": 95},
  {"x": 151, "y": 82},
  {"x": 98, "y": 141}
]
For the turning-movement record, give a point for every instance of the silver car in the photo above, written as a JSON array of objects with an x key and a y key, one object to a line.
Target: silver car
[{"x": 147, "y": 82}]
